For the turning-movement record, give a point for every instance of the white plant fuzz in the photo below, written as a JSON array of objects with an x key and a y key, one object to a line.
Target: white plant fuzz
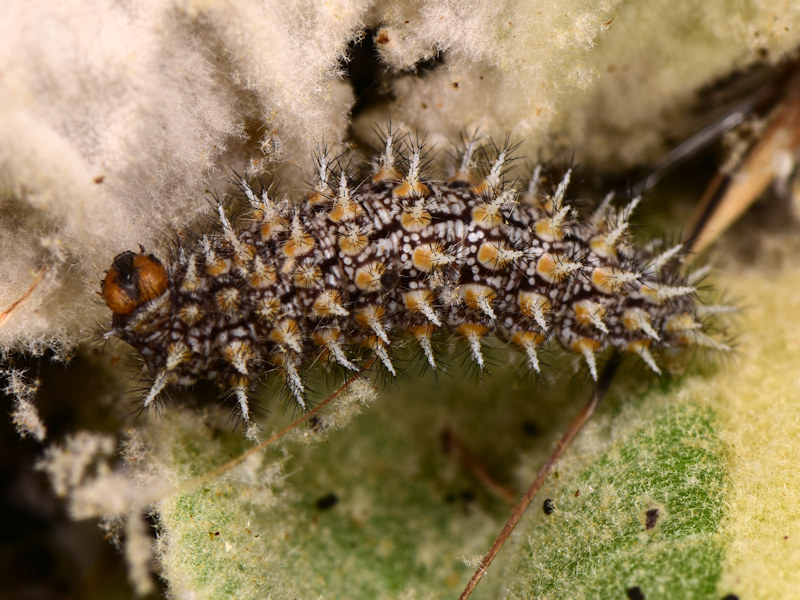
[
  {"x": 82, "y": 472},
  {"x": 138, "y": 555},
  {"x": 507, "y": 66},
  {"x": 83, "y": 454},
  {"x": 644, "y": 103},
  {"x": 114, "y": 119},
  {"x": 111, "y": 493},
  {"x": 24, "y": 413},
  {"x": 358, "y": 395},
  {"x": 572, "y": 75}
]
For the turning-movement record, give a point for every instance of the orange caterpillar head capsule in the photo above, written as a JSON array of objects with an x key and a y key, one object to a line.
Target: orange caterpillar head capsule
[{"x": 133, "y": 280}]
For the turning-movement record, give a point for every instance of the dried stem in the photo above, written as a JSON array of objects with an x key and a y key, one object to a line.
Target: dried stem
[
  {"x": 453, "y": 444},
  {"x": 6, "y": 314},
  {"x": 566, "y": 439}
]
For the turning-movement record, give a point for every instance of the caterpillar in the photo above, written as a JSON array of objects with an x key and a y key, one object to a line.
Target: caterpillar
[{"x": 369, "y": 263}]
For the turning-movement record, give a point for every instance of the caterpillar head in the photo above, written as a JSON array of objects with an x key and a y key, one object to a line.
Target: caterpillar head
[{"x": 133, "y": 280}]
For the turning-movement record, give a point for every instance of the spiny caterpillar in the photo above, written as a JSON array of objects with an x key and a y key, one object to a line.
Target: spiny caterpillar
[{"x": 366, "y": 264}]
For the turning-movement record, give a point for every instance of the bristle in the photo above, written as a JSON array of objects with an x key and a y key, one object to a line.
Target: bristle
[
  {"x": 644, "y": 352},
  {"x": 698, "y": 274},
  {"x": 627, "y": 212},
  {"x": 474, "y": 341},
  {"x": 561, "y": 190},
  {"x": 494, "y": 177},
  {"x": 241, "y": 397},
  {"x": 159, "y": 384},
  {"x": 587, "y": 348},
  {"x": 704, "y": 340},
  {"x": 705, "y": 310},
  {"x": 657, "y": 293},
  {"x": 295, "y": 383},
  {"x": 339, "y": 354},
  {"x": 602, "y": 212},
  {"x": 533, "y": 357},
  {"x": 637, "y": 319},
  {"x": 380, "y": 352},
  {"x": 424, "y": 340},
  {"x": 660, "y": 261},
  {"x": 467, "y": 159},
  {"x": 532, "y": 192}
]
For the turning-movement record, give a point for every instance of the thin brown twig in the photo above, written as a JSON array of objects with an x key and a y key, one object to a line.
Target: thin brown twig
[
  {"x": 6, "y": 314},
  {"x": 732, "y": 191},
  {"x": 566, "y": 439},
  {"x": 454, "y": 444}
]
